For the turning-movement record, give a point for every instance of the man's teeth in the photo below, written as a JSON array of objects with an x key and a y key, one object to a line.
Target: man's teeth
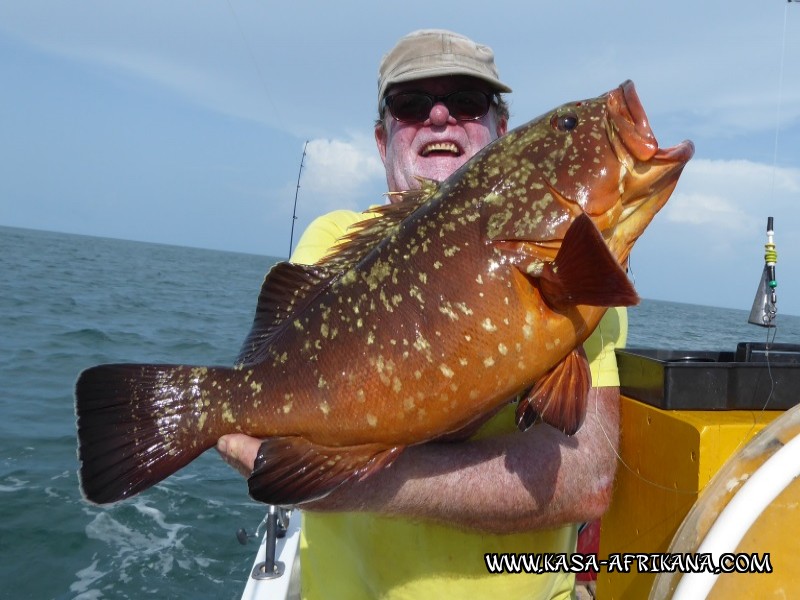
[{"x": 440, "y": 147}]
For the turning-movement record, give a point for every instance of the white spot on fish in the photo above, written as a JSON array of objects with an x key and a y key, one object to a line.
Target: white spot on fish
[
  {"x": 227, "y": 415},
  {"x": 446, "y": 310}
]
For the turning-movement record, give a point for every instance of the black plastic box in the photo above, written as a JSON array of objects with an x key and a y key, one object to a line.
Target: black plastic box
[{"x": 755, "y": 377}]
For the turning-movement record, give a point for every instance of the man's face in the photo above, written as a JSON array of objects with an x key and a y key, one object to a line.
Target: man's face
[{"x": 437, "y": 146}]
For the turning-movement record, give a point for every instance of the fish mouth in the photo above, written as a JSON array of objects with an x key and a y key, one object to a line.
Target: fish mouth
[
  {"x": 646, "y": 169},
  {"x": 439, "y": 148},
  {"x": 631, "y": 125},
  {"x": 648, "y": 174}
]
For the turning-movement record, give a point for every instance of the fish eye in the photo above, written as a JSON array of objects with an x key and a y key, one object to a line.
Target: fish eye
[{"x": 565, "y": 121}]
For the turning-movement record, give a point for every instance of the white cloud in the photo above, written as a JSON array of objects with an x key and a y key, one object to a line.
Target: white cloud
[
  {"x": 702, "y": 209},
  {"x": 338, "y": 171},
  {"x": 729, "y": 195}
]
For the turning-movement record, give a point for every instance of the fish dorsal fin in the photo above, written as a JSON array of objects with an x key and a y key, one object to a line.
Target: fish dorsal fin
[
  {"x": 362, "y": 237},
  {"x": 287, "y": 289}
]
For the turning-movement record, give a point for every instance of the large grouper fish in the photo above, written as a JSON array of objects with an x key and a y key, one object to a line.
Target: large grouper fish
[{"x": 425, "y": 320}]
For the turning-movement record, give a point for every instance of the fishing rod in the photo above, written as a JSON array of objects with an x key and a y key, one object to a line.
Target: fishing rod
[{"x": 296, "y": 193}]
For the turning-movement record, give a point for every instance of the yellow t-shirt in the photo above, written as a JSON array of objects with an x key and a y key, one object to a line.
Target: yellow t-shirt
[{"x": 364, "y": 556}]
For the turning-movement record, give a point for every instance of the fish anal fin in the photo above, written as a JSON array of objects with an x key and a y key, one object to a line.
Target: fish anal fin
[
  {"x": 292, "y": 470},
  {"x": 584, "y": 271},
  {"x": 559, "y": 397}
]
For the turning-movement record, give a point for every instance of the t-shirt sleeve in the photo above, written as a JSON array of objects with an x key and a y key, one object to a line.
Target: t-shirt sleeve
[
  {"x": 610, "y": 334},
  {"x": 322, "y": 234}
]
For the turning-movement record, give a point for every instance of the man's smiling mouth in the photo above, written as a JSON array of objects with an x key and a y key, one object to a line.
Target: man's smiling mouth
[{"x": 441, "y": 147}]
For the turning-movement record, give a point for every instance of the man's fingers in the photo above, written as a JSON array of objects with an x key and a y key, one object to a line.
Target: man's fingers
[{"x": 239, "y": 451}]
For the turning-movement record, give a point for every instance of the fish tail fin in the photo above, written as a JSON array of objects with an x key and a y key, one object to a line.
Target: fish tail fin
[
  {"x": 138, "y": 424},
  {"x": 585, "y": 272}
]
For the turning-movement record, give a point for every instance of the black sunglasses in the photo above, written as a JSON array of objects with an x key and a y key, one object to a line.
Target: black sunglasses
[{"x": 415, "y": 107}]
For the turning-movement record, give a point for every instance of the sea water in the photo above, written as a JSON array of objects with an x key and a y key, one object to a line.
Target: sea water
[{"x": 69, "y": 302}]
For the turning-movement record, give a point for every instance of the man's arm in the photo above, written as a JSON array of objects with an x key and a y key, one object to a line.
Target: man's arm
[{"x": 515, "y": 482}]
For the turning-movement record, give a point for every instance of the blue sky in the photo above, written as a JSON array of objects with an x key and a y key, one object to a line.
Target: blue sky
[{"x": 183, "y": 122}]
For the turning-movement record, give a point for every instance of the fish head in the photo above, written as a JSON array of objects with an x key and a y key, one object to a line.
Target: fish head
[{"x": 597, "y": 156}]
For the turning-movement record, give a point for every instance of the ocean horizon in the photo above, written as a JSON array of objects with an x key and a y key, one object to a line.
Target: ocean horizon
[{"x": 745, "y": 301}]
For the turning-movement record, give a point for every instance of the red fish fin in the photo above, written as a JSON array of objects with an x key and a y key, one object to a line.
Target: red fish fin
[
  {"x": 134, "y": 429},
  {"x": 287, "y": 289},
  {"x": 292, "y": 470},
  {"x": 585, "y": 272},
  {"x": 559, "y": 398}
]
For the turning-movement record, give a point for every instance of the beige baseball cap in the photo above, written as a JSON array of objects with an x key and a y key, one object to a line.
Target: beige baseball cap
[{"x": 433, "y": 53}]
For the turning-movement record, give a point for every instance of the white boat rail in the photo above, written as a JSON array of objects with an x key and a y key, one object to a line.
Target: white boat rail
[{"x": 277, "y": 584}]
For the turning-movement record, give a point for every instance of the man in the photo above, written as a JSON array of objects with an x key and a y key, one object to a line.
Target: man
[{"x": 421, "y": 528}]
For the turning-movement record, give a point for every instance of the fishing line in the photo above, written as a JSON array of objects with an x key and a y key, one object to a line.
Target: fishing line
[
  {"x": 614, "y": 447},
  {"x": 780, "y": 99},
  {"x": 772, "y": 331},
  {"x": 746, "y": 437},
  {"x": 262, "y": 80}
]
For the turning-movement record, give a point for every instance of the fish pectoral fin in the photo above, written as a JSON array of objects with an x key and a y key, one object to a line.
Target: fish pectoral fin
[
  {"x": 559, "y": 398},
  {"x": 292, "y": 470},
  {"x": 584, "y": 271}
]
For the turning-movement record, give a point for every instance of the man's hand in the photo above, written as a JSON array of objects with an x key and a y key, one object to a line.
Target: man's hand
[{"x": 239, "y": 451}]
